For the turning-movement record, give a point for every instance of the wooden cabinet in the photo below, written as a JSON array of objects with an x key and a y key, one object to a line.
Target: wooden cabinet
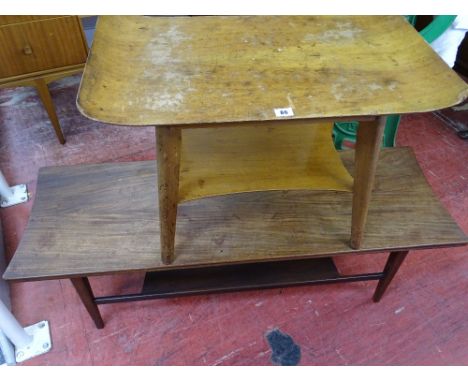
[
  {"x": 41, "y": 45},
  {"x": 35, "y": 50}
]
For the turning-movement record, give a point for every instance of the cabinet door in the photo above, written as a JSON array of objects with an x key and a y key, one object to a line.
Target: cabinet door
[
  {"x": 6, "y": 20},
  {"x": 34, "y": 46}
]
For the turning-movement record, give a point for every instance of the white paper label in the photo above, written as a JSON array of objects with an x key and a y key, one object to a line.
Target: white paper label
[{"x": 284, "y": 112}]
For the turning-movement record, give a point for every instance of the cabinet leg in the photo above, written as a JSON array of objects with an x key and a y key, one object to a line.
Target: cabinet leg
[
  {"x": 83, "y": 288},
  {"x": 368, "y": 142},
  {"x": 46, "y": 99},
  {"x": 168, "y": 142},
  {"x": 395, "y": 259}
]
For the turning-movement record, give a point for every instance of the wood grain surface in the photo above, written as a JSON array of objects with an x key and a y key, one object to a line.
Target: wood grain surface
[
  {"x": 368, "y": 143},
  {"x": 290, "y": 155},
  {"x": 97, "y": 219},
  {"x": 185, "y": 70},
  {"x": 34, "y": 46},
  {"x": 168, "y": 140},
  {"x": 16, "y": 19}
]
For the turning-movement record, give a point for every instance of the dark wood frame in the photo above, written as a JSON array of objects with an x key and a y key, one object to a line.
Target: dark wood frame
[{"x": 212, "y": 280}]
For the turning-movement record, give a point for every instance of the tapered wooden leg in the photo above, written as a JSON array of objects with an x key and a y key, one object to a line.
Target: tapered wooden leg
[
  {"x": 46, "y": 99},
  {"x": 395, "y": 259},
  {"x": 83, "y": 288},
  {"x": 368, "y": 142},
  {"x": 168, "y": 141}
]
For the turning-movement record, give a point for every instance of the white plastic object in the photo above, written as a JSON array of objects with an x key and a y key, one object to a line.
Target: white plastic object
[
  {"x": 446, "y": 45},
  {"x": 29, "y": 342},
  {"x": 10, "y": 196}
]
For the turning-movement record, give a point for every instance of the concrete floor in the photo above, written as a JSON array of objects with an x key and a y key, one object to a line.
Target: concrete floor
[{"x": 422, "y": 320}]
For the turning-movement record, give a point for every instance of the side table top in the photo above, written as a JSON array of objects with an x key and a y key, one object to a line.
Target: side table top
[{"x": 146, "y": 70}]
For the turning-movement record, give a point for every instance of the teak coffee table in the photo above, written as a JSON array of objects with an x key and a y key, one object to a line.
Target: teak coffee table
[{"x": 251, "y": 191}]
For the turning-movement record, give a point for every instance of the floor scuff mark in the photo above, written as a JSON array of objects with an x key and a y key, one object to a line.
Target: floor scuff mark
[
  {"x": 341, "y": 356},
  {"x": 227, "y": 356},
  {"x": 399, "y": 310}
]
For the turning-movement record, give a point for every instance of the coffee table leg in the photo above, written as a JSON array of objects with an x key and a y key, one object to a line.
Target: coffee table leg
[
  {"x": 368, "y": 142},
  {"x": 395, "y": 259},
  {"x": 83, "y": 288},
  {"x": 168, "y": 140}
]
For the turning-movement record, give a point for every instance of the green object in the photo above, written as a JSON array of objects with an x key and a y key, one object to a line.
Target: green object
[
  {"x": 346, "y": 131},
  {"x": 411, "y": 20},
  {"x": 438, "y": 26}
]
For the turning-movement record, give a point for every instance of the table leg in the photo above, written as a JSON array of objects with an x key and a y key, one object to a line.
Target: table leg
[
  {"x": 368, "y": 142},
  {"x": 83, "y": 288},
  {"x": 46, "y": 99},
  {"x": 168, "y": 140},
  {"x": 395, "y": 259}
]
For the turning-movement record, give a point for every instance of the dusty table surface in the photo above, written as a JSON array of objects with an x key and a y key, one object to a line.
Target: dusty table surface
[{"x": 186, "y": 70}]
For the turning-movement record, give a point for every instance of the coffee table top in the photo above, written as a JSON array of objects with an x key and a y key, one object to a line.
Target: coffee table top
[
  {"x": 146, "y": 70},
  {"x": 98, "y": 219}
]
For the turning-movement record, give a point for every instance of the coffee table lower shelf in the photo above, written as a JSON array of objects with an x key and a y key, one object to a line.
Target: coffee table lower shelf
[
  {"x": 241, "y": 277},
  {"x": 232, "y": 278}
]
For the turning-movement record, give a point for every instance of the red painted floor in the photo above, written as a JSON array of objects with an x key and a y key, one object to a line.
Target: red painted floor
[{"x": 422, "y": 320}]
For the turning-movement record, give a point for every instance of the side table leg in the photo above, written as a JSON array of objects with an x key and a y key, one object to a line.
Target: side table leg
[
  {"x": 83, "y": 288},
  {"x": 395, "y": 259},
  {"x": 368, "y": 142},
  {"x": 46, "y": 99},
  {"x": 168, "y": 142}
]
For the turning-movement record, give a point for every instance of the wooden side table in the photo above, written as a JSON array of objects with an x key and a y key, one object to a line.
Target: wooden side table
[
  {"x": 286, "y": 75},
  {"x": 243, "y": 104},
  {"x": 36, "y": 50}
]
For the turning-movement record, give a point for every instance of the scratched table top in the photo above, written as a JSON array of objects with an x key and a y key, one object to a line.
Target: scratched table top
[
  {"x": 191, "y": 70},
  {"x": 89, "y": 228}
]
